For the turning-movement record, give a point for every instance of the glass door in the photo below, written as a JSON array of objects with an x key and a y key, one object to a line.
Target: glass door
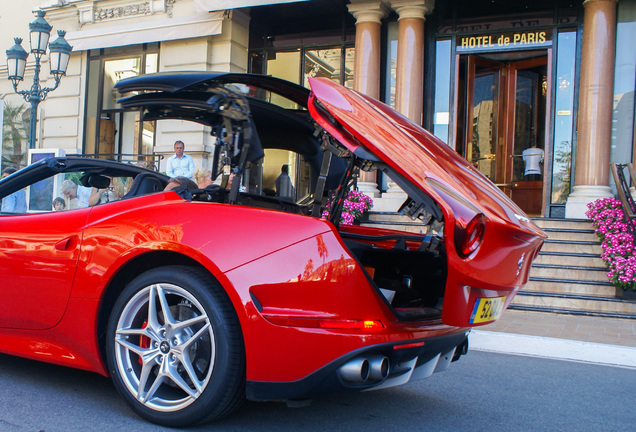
[
  {"x": 501, "y": 124},
  {"x": 482, "y": 117},
  {"x": 526, "y": 149}
]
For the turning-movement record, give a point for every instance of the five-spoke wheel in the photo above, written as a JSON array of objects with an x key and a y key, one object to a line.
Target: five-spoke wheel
[{"x": 174, "y": 347}]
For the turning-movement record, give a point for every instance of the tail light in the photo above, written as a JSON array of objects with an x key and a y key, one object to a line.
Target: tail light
[
  {"x": 326, "y": 323},
  {"x": 468, "y": 238}
]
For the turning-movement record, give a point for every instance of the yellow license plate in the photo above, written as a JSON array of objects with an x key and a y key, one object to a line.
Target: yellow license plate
[{"x": 487, "y": 309}]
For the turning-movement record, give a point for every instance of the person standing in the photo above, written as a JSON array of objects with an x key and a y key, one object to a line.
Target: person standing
[
  {"x": 203, "y": 178},
  {"x": 180, "y": 164},
  {"x": 77, "y": 196},
  {"x": 16, "y": 202},
  {"x": 532, "y": 158},
  {"x": 284, "y": 186}
]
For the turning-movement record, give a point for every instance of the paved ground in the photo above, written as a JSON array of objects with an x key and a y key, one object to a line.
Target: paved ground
[
  {"x": 610, "y": 341},
  {"x": 612, "y": 331}
]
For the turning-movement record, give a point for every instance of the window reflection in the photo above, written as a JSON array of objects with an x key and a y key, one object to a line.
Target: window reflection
[
  {"x": 391, "y": 63},
  {"x": 110, "y": 132},
  {"x": 284, "y": 65},
  {"x": 441, "y": 116},
  {"x": 624, "y": 85},
  {"x": 328, "y": 63},
  {"x": 563, "y": 123}
]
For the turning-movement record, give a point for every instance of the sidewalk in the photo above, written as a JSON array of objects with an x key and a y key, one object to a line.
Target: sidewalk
[
  {"x": 612, "y": 331},
  {"x": 610, "y": 341}
]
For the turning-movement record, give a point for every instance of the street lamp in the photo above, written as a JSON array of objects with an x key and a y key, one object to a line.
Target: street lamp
[{"x": 59, "y": 55}]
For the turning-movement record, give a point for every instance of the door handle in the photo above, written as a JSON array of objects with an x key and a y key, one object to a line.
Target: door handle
[
  {"x": 511, "y": 185},
  {"x": 67, "y": 244}
]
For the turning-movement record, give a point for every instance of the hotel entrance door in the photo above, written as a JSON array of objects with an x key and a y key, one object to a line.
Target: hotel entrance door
[{"x": 502, "y": 122}]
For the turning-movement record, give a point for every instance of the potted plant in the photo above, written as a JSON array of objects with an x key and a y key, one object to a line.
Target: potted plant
[{"x": 617, "y": 242}]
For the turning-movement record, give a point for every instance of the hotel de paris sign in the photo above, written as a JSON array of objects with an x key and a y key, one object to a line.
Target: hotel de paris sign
[{"x": 504, "y": 41}]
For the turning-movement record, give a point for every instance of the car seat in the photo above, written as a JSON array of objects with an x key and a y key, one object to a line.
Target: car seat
[{"x": 144, "y": 184}]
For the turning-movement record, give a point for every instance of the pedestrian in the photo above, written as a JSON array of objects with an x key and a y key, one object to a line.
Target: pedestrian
[
  {"x": 59, "y": 204},
  {"x": 16, "y": 202},
  {"x": 180, "y": 164},
  {"x": 203, "y": 177},
  {"x": 284, "y": 186},
  {"x": 77, "y": 196}
]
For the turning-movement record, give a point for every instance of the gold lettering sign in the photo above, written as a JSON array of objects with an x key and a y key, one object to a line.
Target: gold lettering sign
[{"x": 504, "y": 41}]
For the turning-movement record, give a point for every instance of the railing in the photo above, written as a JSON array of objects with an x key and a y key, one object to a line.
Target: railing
[
  {"x": 150, "y": 161},
  {"x": 624, "y": 194}
]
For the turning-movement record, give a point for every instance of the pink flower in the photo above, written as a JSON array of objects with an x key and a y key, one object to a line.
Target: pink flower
[
  {"x": 617, "y": 241},
  {"x": 353, "y": 208}
]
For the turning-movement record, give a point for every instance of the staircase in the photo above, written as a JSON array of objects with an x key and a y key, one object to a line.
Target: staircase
[{"x": 568, "y": 276}]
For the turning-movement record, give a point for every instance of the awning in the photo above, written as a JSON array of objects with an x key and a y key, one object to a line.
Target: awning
[
  {"x": 202, "y": 24},
  {"x": 217, "y": 5}
]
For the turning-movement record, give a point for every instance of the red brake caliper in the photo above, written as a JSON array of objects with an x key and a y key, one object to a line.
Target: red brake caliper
[{"x": 144, "y": 341}]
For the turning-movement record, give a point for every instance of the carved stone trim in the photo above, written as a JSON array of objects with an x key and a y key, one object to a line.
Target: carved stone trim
[
  {"x": 103, "y": 14},
  {"x": 90, "y": 14}
]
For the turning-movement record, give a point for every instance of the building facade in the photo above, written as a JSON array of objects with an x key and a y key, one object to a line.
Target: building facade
[{"x": 538, "y": 95}]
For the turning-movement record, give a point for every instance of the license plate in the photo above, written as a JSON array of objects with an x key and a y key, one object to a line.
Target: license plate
[{"x": 487, "y": 309}]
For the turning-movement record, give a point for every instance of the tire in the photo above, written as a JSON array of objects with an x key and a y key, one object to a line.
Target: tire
[{"x": 185, "y": 363}]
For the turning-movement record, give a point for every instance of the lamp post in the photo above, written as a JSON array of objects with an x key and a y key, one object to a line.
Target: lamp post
[{"x": 59, "y": 55}]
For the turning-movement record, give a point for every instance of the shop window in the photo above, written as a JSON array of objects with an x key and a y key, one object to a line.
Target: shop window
[
  {"x": 298, "y": 170},
  {"x": 296, "y": 65},
  {"x": 284, "y": 65},
  {"x": 329, "y": 63},
  {"x": 299, "y": 64},
  {"x": 109, "y": 131}
]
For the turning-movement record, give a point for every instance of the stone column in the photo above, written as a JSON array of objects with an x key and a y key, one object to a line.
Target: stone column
[
  {"x": 409, "y": 80},
  {"x": 366, "y": 70},
  {"x": 596, "y": 88}
]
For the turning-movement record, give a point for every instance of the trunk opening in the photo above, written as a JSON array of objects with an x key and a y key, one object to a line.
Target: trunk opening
[{"x": 410, "y": 274}]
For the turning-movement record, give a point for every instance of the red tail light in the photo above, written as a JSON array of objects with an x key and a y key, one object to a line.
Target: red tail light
[
  {"x": 335, "y": 324},
  {"x": 468, "y": 238}
]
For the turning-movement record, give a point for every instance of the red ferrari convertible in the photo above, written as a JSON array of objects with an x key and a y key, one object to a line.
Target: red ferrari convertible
[{"x": 194, "y": 300}]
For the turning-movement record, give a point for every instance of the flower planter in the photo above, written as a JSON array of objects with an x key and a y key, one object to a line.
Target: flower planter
[
  {"x": 626, "y": 294},
  {"x": 618, "y": 244}
]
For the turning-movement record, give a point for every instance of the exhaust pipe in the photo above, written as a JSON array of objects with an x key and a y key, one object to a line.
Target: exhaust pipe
[
  {"x": 355, "y": 370},
  {"x": 379, "y": 367}
]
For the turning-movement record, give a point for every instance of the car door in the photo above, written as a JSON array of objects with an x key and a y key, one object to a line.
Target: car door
[{"x": 38, "y": 260}]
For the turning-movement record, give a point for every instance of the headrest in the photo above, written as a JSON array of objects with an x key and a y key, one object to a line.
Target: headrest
[{"x": 95, "y": 180}]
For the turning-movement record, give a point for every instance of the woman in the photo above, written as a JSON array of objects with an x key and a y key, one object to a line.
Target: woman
[{"x": 203, "y": 178}]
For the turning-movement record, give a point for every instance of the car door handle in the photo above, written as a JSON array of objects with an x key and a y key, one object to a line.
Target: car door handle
[{"x": 68, "y": 243}]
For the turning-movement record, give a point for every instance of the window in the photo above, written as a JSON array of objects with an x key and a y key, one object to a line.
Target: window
[
  {"x": 564, "y": 115},
  {"x": 441, "y": 117},
  {"x": 296, "y": 64},
  {"x": 329, "y": 63},
  {"x": 624, "y": 84},
  {"x": 109, "y": 131},
  {"x": 391, "y": 63}
]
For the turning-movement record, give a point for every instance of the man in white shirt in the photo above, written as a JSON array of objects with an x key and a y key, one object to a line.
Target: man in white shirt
[
  {"x": 76, "y": 196},
  {"x": 284, "y": 186},
  {"x": 532, "y": 158},
  {"x": 180, "y": 164}
]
